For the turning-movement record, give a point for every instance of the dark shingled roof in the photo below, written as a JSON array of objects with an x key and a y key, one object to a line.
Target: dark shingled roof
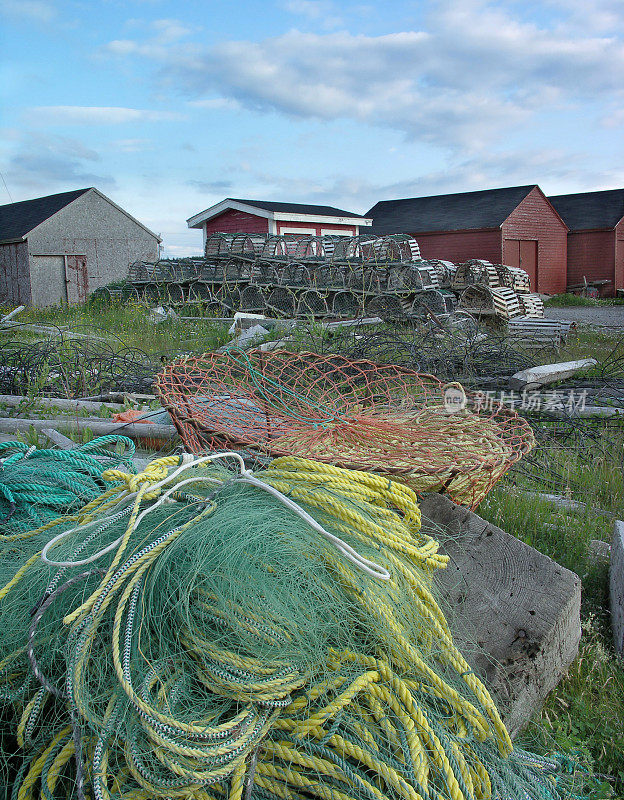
[
  {"x": 447, "y": 212},
  {"x": 590, "y": 209},
  {"x": 297, "y": 208},
  {"x": 17, "y": 219}
]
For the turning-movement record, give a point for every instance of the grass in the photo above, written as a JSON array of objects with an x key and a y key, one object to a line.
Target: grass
[
  {"x": 130, "y": 326},
  {"x": 568, "y": 299}
]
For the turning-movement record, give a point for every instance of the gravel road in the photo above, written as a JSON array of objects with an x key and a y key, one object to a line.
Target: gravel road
[{"x": 610, "y": 316}]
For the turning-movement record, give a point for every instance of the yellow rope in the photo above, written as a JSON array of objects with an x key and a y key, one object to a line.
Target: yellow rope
[{"x": 294, "y": 750}]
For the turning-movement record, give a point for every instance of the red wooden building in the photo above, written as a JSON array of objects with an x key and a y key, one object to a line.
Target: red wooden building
[
  {"x": 516, "y": 226},
  {"x": 596, "y": 238},
  {"x": 259, "y": 216}
]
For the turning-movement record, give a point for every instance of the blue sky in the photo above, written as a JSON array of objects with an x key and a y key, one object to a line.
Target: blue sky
[{"x": 168, "y": 107}]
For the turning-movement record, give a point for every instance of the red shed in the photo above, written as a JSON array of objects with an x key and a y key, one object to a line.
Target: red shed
[
  {"x": 260, "y": 216},
  {"x": 596, "y": 238},
  {"x": 516, "y": 226}
]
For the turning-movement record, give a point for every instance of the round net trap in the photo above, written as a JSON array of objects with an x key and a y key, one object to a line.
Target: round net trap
[{"x": 351, "y": 413}]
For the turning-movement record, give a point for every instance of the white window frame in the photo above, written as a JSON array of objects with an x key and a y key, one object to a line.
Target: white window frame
[{"x": 306, "y": 231}]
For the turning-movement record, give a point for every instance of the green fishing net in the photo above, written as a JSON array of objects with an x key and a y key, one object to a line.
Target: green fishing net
[{"x": 209, "y": 640}]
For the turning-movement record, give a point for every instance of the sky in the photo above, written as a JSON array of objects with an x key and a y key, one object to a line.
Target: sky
[{"x": 169, "y": 107}]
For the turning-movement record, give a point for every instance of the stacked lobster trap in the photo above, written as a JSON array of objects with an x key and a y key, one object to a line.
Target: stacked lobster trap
[
  {"x": 505, "y": 292},
  {"x": 327, "y": 276},
  {"x": 319, "y": 276}
]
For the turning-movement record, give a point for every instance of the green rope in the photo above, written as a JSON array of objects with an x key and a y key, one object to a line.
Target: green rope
[{"x": 37, "y": 485}]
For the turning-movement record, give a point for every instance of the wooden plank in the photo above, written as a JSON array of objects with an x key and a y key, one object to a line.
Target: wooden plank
[
  {"x": 12, "y": 314},
  {"x": 516, "y": 613},
  {"x": 99, "y": 427},
  {"x": 58, "y": 439},
  {"x": 58, "y": 402},
  {"x": 616, "y": 586},
  {"x": 548, "y": 373}
]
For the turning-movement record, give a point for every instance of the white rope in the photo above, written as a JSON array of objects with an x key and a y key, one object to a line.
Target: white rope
[{"x": 246, "y": 476}]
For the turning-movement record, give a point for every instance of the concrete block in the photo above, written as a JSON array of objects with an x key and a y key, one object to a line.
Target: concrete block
[
  {"x": 535, "y": 377},
  {"x": 616, "y": 588},
  {"x": 598, "y": 552},
  {"x": 514, "y": 612}
]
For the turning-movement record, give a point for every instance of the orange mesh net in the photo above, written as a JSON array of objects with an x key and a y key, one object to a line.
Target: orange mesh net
[{"x": 354, "y": 414}]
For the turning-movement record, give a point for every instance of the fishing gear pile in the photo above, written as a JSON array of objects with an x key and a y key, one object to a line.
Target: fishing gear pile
[
  {"x": 59, "y": 364},
  {"x": 204, "y": 632},
  {"x": 476, "y": 357},
  {"x": 37, "y": 485},
  {"x": 337, "y": 276},
  {"x": 354, "y": 414}
]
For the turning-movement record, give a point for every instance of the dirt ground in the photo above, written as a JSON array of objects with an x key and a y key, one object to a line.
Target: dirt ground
[{"x": 605, "y": 316}]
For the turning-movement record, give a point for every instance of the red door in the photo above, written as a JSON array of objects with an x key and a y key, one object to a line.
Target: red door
[
  {"x": 528, "y": 261},
  {"x": 76, "y": 278},
  {"x": 511, "y": 254},
  {"x": 522, "y": 253}
]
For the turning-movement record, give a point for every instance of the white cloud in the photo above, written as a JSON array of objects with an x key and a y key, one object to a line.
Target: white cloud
[
  {"x": 29, "y": 10},
  {"x": 131, "y": 145},
  {"x": 97, "y": 115},
  {"x": 43, "y": 163},
  {"x": 321, "y": 12},
  {"x": 170, "y": 30},
  {"x": 216, "y": 102},
  {"x": 556, "y": 170},
  {"x": 164, "y": 35},
  {"x": 474, "y": 73}
]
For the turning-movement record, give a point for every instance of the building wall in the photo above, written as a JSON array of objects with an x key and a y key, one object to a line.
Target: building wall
[
  {"x": 14, "y": 280},
  {"x": 619, "y": 255},
  {"x": 232, "y": 221},
  {"x": 535, "y": 219},
  {"x": 91, "y": 227},
  {"x": 591, "y": 254},
  {"x": 458, "y": 246}
]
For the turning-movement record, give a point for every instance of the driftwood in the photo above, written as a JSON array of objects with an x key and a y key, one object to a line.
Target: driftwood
[
  {"x": 534, "y": 377},
  {"x": 56, "y": 331},
  {"x": 58, "y": 439},
  {"x": 568, "y": 505},
  {"x": 514, "y": 612},
  {"x": 617, "y": 586},
  {"x": 58, "y": 402},
  {"x": 12, "y": 314},
  {"x": 100, "y": 427}
]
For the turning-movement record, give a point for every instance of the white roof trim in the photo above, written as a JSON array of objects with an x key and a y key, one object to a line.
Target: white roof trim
[
  {"x": 290, "y": 217},
  {"x": 214, "y": 211},
  {"x": 197, "y": 220}
]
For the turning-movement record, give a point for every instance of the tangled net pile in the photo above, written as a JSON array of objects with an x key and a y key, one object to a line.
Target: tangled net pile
[
  {"x": 63, "y": 365},
  {"x": 354, "y": 414},
  {"x": 199, "y": 634},
  {"x": 479, "y": 359}
]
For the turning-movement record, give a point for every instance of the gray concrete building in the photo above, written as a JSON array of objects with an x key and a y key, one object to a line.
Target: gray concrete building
[{"x": 60, "y": 248}]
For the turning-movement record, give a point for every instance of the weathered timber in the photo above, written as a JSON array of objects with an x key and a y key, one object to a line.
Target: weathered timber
[
  {"x": 58, "y": 402},
  {"x": 514, "y": 612},
  {"x": 616, "y": 586},
  {"x": 100, "y": 427},
  {"x": 12, "y": 314},
  {"x": 535, "y": 377}
]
